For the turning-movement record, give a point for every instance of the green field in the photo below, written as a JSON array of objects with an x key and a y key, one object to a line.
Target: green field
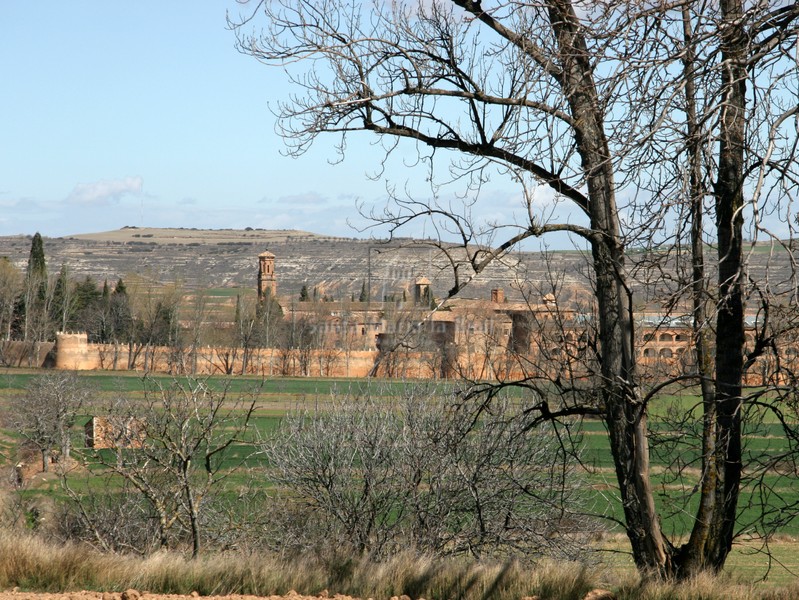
[{"x": 277, "y": 396}]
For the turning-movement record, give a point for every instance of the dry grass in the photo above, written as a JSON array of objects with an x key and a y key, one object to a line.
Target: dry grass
[{"x": 30, "y": 563}]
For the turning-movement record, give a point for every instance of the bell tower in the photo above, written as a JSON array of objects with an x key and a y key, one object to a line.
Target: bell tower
[
  {"x": 421, "y": 290},
  {"x": 267, "y": 284}
]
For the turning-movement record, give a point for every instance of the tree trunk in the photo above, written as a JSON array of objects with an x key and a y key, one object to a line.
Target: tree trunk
[
  {"x": 690, "y": 560},
  {"x": 625, "y": 414},
  {"x": 194, "y": 517},
  {"x": 730, "y": 321}
]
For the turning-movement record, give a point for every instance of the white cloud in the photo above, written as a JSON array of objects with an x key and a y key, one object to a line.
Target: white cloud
[{"x": 105, "y": 191}]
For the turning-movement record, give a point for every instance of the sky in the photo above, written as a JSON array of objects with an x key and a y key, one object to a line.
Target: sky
[{"x": 144, "y": 114}]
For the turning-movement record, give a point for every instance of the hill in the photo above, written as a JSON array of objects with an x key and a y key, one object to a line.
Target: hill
[{"x": 337, "y": 267}]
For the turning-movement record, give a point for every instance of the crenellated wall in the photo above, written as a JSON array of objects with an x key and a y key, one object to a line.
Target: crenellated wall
[{"x": 665, "y": 353}]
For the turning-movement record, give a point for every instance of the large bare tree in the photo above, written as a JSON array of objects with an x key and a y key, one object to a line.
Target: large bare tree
[{"x": 596, "y": 102}]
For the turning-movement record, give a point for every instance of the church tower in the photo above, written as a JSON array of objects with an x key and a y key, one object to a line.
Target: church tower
[
  {"x": 421, "y": 290},
  {"x": 267, "y": 284}
]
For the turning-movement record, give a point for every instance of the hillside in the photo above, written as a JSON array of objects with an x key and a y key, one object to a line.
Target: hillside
[
  {"x": 228, "y": 258},
  {"x": 337, "y": 267}
]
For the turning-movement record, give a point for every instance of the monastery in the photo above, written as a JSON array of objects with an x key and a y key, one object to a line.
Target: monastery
[{"x": 418, "y": 337}]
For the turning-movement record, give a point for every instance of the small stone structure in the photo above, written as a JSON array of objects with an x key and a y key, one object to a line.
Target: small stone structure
[{"x": 109, "y": 432}]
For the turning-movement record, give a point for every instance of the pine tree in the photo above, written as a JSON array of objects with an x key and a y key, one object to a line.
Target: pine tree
[
  {"x": 120, "y": 289},
  {"x": 364, "y": 297},
  {"x": 304, "y": 294}
]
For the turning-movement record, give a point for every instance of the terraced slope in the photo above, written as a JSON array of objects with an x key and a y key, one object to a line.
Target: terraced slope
[{"x": 336, "y": 267}]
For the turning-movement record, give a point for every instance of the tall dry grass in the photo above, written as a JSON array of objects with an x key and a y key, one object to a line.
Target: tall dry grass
[{"x": 30, "y": 563}]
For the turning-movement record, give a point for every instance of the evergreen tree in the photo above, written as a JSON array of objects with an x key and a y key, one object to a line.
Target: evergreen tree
[
  {"x": 31, "y": 312},
  {"x": 304, "y": 294},
  {"x": 61, "y": 303},
  {"x": 121, "y": 318},
  {"x": 87, "y": 295},
  {"x": 89, "y": 312},
  {"x": 36, "y": 263},
  {"x": 237, "y": 315},
  {"x": 120, "y": 289},
  {"x": 364, "y": 297}
]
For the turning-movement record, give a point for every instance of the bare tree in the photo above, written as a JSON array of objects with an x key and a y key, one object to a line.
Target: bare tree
[
  {"x": 155, "y": 324},
  {"x": 175, "y": 448},
  {"x": 46, "y": 412},
  {"x": 582, "y": 100},
  {"x": 11, "y": 289}
]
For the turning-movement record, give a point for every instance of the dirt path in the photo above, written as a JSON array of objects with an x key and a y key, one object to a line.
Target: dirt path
[
  {"x": 597, "y": 594},
  {"x": 135, "y": 595}
]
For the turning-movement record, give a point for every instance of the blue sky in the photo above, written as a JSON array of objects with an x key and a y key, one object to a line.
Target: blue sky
[{"x": 143, "y": 113}]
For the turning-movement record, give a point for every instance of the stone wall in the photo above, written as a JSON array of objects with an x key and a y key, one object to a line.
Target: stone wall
[
  {"x": 72, "y": 352},
  {"x": 26, "y": 354},
  {"x": 666, "y": 354}
]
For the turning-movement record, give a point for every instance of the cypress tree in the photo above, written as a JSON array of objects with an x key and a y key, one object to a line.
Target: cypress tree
[
  {"x": 36, "y": 262},
  {"x": 30, "y": 312},
  {"x": 122, "y": 326}
]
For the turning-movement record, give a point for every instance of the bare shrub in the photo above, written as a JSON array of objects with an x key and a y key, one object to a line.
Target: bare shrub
[
  {"x": 174, "y": 450},
  {"x": 45, "y": 413},
  {"x": 115, "y": 520},
  {"x": 430, "y": 471}
]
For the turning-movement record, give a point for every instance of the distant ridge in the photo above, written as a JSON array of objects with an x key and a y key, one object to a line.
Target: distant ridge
[
  {"x": 202, "y": 258},
  {"x": 182, "y": 235},
  {"x": 337, "y": 267}
]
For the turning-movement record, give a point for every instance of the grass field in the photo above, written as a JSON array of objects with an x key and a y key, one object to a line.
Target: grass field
[{"x": 277, "y": 396}]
